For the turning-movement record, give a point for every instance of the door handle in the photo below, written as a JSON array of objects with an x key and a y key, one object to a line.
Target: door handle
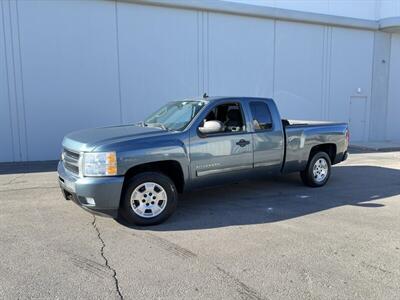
[{"x": 243, "y": 143}]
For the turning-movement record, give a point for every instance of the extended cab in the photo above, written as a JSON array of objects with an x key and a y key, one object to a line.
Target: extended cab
[{"x": 137, "y": 171}]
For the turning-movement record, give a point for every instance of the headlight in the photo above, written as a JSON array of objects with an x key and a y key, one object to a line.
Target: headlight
[{"x": 100, "y": 164}]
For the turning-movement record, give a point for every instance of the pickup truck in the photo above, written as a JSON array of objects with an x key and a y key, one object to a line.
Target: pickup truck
[{"x": 137, "y": 171}]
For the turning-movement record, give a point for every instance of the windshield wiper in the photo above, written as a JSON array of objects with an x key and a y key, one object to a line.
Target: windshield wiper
[{"x": 159, "y": 125}]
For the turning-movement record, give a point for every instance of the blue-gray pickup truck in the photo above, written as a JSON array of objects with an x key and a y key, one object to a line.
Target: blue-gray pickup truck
[{"x": 137, "y": 171}]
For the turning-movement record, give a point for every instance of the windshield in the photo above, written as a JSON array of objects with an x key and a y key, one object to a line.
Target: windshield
[{"x": 174, "y": 115}]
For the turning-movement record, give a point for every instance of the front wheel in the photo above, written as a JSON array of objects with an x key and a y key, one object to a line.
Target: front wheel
[
  {"x": 318, "y": 170},
  {"x": 149, "y": 198}
]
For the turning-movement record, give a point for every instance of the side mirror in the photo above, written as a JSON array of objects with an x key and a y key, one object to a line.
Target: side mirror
[{"x": 211, "y": 127}]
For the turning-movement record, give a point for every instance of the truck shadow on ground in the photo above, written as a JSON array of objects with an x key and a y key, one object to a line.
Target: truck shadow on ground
[{"x": 282, "y": 198}]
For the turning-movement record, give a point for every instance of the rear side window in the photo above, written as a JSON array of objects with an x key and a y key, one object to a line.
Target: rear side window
[{"x": 262, "y": 119}]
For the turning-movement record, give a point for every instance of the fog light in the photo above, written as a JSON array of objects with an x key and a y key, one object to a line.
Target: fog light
[{"x": 90, "y": 201}]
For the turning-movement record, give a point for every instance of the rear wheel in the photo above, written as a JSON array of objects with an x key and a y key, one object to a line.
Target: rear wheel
[
  {"x": 318, "y": 170},
  {"x": 149, "y": 198}
]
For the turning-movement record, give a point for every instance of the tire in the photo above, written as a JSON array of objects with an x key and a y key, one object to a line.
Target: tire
[
  {"x": 154, "y": 199},
  {"x": 320, "y": 176}
]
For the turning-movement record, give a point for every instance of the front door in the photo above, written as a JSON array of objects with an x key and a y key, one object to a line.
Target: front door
[{"x": 224, "y": 155}]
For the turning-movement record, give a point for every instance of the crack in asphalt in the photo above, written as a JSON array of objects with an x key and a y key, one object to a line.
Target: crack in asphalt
[{"x": 103, "y": 245}]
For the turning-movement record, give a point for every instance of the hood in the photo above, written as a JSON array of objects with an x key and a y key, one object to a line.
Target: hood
[{"x": 89, "y": 139}]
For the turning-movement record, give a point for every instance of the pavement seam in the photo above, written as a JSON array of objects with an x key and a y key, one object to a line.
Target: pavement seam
[{"x": 103, "y": 245}]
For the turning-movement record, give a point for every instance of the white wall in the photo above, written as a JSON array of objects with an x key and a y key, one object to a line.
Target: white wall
[
  {"x": 379, "y": 91},
  {"x": 70, "y": 70},
  {"x": 6, "y": 132},
  {"x": 299, "y": 70},
  {"x": 393, "y": 120},
  {"x": 240, "y": 55},
  {"x": 351, "y": 69},
  {"x": 159, "y": 57},
  {"x": 68, "y": 65}
]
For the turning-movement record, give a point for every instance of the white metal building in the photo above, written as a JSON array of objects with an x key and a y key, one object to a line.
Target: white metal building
[{"x": 66, "y": 65}]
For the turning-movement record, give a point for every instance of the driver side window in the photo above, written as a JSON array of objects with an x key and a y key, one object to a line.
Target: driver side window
[{"x": 225, "y": 118}]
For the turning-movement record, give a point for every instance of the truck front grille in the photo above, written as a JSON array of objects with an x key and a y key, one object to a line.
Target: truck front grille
[{"x": 71, "y": 161}]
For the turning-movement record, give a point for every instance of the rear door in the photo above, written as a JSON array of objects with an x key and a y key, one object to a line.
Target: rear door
[
  {"x": 268, "y": 139},
  {"x": 220, "y": 156}
]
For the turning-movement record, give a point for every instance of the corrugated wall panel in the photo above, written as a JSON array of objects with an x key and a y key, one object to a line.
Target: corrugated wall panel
[
  {"x": 299, "y": 64},
  {"x": 6, "y": 134},
  {"x": 240, "y": 55},
  {"x": 159, "y": 57},
  {"x": 70, "y": 70},
  {"x": 350, "y": 75},
  {"x": 379, "y": 91},
  {"x": 393, "y": 120}
]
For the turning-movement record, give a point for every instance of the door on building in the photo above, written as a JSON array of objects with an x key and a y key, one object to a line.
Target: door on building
[{"x": 357, "y": 117}]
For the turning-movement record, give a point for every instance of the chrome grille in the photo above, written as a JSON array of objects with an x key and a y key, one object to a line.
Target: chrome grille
[{"x": 71, "y": 161}]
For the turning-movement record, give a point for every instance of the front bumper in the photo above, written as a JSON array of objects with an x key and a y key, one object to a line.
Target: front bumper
[{"x": 100, "y": 195}]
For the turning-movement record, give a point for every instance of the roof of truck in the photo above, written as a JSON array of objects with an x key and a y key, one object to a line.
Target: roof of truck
[{"x": 215, "y": 98}]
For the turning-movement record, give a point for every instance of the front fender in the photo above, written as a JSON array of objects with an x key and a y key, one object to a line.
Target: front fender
[{"x": 172, "y": 150}]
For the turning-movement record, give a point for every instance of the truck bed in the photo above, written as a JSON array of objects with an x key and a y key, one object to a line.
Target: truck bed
[
  {"x": 301, "y": 136},
  {"x": 297, "y": 123}
]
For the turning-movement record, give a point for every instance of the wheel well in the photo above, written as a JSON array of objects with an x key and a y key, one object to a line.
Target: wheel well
[
  {"x": 170, "y": 168},
  {"x": 329, "y": 149}
]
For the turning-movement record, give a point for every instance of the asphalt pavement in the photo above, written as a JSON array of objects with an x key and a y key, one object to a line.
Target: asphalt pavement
[{"x": 265, "y": 239}]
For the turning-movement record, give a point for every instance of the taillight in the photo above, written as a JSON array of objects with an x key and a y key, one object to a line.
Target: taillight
[{"x": 348, "y": 136}]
